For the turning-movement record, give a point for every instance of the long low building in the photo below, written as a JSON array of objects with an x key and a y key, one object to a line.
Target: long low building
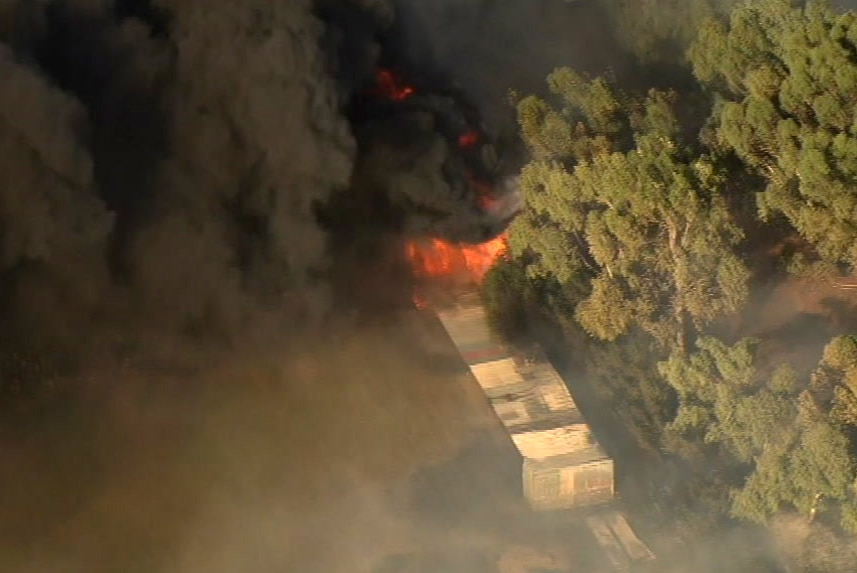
[{"x": 563, "y": 464}]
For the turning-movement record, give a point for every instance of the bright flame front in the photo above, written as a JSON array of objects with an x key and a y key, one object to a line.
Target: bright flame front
[{"x": 436, "y": 258}]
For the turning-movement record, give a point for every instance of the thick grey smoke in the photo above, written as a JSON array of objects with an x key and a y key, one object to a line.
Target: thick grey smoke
[
  {"x": 164, "y": 168},
  {"x": 489, "y": 47},
  {"x": 161, "y": 167},
  {"x": 424, "y": 176},
  {"x": 49, "y": 205},
  {"x": 163, "y": 163},
  {"x": 53, "y": 222},
  {"x": 167, "y": 160}
]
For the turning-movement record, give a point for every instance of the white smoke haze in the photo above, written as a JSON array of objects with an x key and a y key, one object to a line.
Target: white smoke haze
[{"x": 812, "y": 546}]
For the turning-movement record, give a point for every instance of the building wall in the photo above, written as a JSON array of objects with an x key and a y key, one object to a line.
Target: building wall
[{"x": 547, "y": 488}]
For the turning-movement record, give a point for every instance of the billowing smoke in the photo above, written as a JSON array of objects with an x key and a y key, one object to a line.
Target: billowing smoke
[
  {"x": 490, "y": 47},
  {"x": 177, "y": 181},
  {"x": 433, "y": 164},
  {"x": 161, "y": 165},
  {"x": 165, "y": 164}
]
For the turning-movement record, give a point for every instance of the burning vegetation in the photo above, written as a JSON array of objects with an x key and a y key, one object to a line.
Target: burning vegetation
[{"x": 436, "y": 258}]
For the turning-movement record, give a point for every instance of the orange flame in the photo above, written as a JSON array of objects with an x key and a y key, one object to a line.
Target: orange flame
[{"x": 437, "y": 258}]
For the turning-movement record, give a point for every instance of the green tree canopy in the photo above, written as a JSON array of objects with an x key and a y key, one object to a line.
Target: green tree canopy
[
  {"x": 835, "y": 381},
  {"x": 633, "y": 222},
  {"x": 614, "y": 195},
  {"x": 787, "y": 76},
  {"x": 796, "y": 454},
  {"x": 721, "y": 399},
  {"x": 625, "y": 377}
]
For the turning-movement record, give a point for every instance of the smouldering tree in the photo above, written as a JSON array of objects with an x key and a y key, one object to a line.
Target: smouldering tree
[
  {"x": 508, "y": 296},
  {"x": 615, "y": 197},
  {"x": 625, "y": 376}
]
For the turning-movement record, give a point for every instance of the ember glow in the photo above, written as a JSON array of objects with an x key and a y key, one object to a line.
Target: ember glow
[
  {"x": 390, "y": 87},
  {"x": 484, "y": 193},
  {"x": 468, "y": 139},
  {"x": 436, "y": 258}
]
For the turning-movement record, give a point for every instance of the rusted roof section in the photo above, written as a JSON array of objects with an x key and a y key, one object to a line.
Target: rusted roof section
[{"x": 526, "y": 392}]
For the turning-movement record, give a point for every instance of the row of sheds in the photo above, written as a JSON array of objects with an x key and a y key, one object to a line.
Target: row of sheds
[{"x": 563, "y": 464}]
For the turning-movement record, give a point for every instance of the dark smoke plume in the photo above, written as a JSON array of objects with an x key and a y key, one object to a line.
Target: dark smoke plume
[
  {"x": 425, "y": 157},
  {"x": 434, "y": 165},
  {"x": 166, "y": 163},
  {"x": 489, "y": 47},
  {"x": 165, "y": 172}
]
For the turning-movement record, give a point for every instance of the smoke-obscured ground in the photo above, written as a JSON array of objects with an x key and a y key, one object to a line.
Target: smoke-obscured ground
[
  {"x": 371, "y": 452},
  {"x": 318, "y": 459}
]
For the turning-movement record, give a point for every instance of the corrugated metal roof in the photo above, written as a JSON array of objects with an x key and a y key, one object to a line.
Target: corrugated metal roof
[
  {"x": 540, "y": 401},
  {"x": 467, "y": 326},
  {"x": 555, "y": 395},
  {"x": 497, "y": 374},
  {"x": 593, "y": 455},
  {"x": 527, "y": 395},
  {"x": 512, "y": 414},
  {"x": 554, "y": 442},
  {"x": 534, "y": 405},
  {"x": 469, "y": 331},
  {"x": 634, "y": 547}
]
